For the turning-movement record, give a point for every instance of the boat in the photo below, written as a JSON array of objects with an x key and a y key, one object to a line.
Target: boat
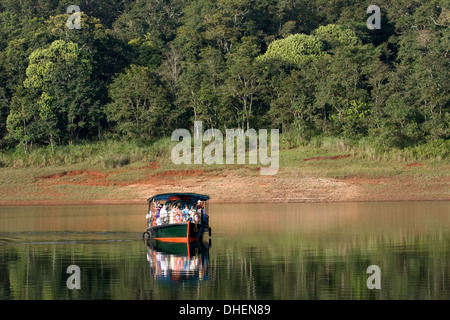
[{"x": 177, "y": 217}]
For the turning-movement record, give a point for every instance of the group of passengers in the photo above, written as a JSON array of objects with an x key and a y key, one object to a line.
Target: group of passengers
[{"x": 163, "y": 212}]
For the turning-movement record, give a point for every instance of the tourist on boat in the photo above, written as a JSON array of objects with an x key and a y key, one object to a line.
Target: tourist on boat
[
  {"x": 157, "y": 211},
  {"x": 163, "y": 213},
  {"x": 147, "y": 217},
  {"x": 175, "y": 212},
  {"x": 191, "y": 213},
  {"x": 185, "y": 213},
  {"x": 199, "y": 206}
]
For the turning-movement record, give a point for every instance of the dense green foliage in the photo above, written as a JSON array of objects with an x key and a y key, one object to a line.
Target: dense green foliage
[{"x": 140, "y": 69}]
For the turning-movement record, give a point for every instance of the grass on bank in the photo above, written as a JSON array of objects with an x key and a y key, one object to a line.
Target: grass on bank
[
  {"x": 115, "y": 153},
  {"x": 106, "y": 154},
  {"x": 125, "y": 162},
  {"x": 358, "y": 158}
]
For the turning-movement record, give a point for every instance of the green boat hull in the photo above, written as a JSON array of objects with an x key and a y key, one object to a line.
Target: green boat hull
[{"x": 177, "y": 232}]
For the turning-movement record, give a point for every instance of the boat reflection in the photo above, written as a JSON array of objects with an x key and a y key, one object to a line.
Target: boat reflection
[{"x": 172, "y": 261}]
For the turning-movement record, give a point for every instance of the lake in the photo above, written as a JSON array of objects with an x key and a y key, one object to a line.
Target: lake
[{"x": 282, "y": 251}]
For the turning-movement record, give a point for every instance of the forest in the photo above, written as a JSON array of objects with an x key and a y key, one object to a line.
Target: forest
[{"x": 135, "y": 70}]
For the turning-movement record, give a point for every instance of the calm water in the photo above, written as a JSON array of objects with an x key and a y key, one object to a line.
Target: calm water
[{"x": 257, "y": 251}]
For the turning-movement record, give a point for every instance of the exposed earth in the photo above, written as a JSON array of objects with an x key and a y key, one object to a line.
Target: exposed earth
[{"x": 246, "y": 185}]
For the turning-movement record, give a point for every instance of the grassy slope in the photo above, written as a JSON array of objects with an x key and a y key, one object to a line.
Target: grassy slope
[{"x": 112, "y": 172}]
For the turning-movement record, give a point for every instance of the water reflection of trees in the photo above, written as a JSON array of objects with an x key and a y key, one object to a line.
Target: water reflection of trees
[
  {"x": 414, "y": 266},
  {"x": 303, "y": 268}
]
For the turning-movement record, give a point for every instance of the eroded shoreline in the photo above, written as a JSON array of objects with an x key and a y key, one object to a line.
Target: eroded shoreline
[{"x": 134, "y": 186}]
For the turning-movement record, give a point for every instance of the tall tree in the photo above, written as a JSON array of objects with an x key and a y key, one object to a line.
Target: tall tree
[
  {"x": 244, "y": 80},
  {"x": 139, "y": 107},
  {"x": 157, "y": 19},
  {"x": 295, "y": 49},
  {"x": 201, "y": 84},
  {"x": 58, "y": 78}
]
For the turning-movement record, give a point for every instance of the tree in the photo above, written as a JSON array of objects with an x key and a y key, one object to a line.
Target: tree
[
  {"x": 201, "y": 84},
  {"x": 345, "y": 89},
  {"x": 292, "y": 107},
  {"x": 4, "y": 110},
  {"x": 145, "y": 52},
  {"x": 418, "y": 84},
  {"x": 400, "y": 128},
  {"x": 106, "y": 11},
  {"x": 23, "y": 122},
  {"x": 58, "y": 79},
  {"x": 335, "y": 36},
  {"x": 139, "y": 107},
  {"x": 158, "y": 19},
  {"x": 109, "y": 55},
  {"x": 306, "y": 67},
  {"x": 28, "y": 9},
  {"x": 294, "y": 49},
  {"x": 244, "y": 80},
  {"x": 30, "y": 36}
]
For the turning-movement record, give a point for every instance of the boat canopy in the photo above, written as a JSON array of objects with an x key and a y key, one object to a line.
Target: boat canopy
[{"x": 189, "y": 197}]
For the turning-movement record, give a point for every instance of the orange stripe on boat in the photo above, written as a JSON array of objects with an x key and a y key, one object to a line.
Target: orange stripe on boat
[
  {"x": 187, "y": 233},
  {"x": 176, "y": 239}
]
